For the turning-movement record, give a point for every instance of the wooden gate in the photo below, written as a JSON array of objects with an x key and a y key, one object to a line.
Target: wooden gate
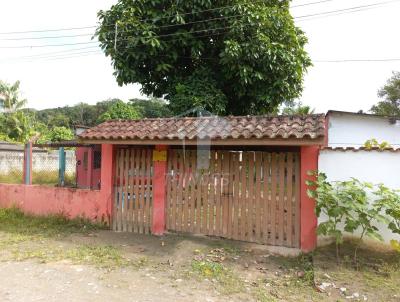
[
  {"x": 133, "y": 191},
  {"x": 250, "y": 195}
]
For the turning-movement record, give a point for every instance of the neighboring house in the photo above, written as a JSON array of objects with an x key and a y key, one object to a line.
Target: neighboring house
[
  {"x": 349, "y": 129},
  {"x": 344, "y": 155}
]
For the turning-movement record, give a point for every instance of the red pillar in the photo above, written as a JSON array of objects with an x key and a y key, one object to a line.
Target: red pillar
[
  {"x": 159, "y": 190},
  {"x": 308, "y": 218},
  {"x": 106, "y": 178}
]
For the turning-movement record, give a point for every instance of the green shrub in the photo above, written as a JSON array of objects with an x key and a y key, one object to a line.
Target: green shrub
[{"x": 356, "y": 205}]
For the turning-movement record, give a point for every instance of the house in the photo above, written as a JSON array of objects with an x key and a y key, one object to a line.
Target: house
[
  {"x": 349, "y": 129},
  {"x": 241, "y": 178},
  {"x": 344, "y": 156}
]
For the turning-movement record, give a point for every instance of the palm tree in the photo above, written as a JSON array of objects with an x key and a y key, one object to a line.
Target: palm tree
[{"x": 10, "y": 99}]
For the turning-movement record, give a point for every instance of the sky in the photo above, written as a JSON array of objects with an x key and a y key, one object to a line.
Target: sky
[{"x": 65, "y": 75}]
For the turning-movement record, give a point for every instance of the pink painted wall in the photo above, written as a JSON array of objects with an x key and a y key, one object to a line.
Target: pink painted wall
[
  {"x": 95, "y": 205},
  {"x": 42, "y": 200}
]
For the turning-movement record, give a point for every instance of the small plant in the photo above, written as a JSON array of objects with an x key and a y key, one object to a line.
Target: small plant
[
  {"x": 351, "y": 206},
  {"x": 373, "y": 143},
  {"x": 329, "y": 203}
]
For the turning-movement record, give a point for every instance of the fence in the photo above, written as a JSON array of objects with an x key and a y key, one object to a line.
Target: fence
[
  {"x": 11, "y": 166},
  {"x": 45, "y": 166}
]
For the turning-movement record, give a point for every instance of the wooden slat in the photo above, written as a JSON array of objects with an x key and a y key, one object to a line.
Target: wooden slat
[
  {"x": 180, "y": 192},
  {"x": 148, "y": 190},
  {"x": 169, "y": 188},
  {"x": 266, "y": 201},
  {"x": 193, "y": 180},
  {"x": 297, "y": 202},
  {"x": 125, "y": 192},
  {"x": 205, "y": 201},
  {"x": 289, "y": 200},
  {"x": 185, "y": 192},
  {"x": 243, "y": 197},
  {"x": 121, "y": 190},
  {"x": 230, "y": 174},
  {"x": 130, "y": 191},
  {"x": 174, "y": 190},
  {"x": 257, "y": 196},
  {"x": 137, "y": 190},
  {"x": 281, "y": 200},
  {"x": 218, "y": 194},
  {"x": 225, "y": 194},
  {"x": 115, "y": 209},
  {"x": 236, "y": 197},
  {"x": 250, "y": 198},
  {"x": 274, "y": 179},
  {"x": 212, "y": 196}
]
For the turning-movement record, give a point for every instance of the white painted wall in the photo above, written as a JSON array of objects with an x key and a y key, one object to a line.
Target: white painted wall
[
  {"x": 372, "y": 166},
  {"x": 352, "y": 130}
]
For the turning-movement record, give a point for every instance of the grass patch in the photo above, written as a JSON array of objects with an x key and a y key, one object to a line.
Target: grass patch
[
  {"x": 100, "y": 256},
  {"x": 14, "y": 221},
  {"x": 15, "y": 176},
  {"x": 226, "y": 280}
]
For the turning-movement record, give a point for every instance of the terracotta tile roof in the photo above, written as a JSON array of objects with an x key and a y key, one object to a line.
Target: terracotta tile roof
[
  {"x": 214, "y": 128},
  {"x": 353, "y": 149}
]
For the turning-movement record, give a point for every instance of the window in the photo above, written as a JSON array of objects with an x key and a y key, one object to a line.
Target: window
[
  {"x": 85, "y": 160},
  {"x": 96, "y": 159}
]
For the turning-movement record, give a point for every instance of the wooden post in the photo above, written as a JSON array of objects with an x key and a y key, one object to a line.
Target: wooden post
[
  {"x": 27, "y": 175},
  {"x": 61, "y": 167},
  {"x": 159, "y": 189},
  {"x": 308, "y": 218}
]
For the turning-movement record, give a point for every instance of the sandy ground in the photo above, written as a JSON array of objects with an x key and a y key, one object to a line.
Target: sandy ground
[
  {"x": 29, "y": 281},
  {"x": 167, "y": 273}
]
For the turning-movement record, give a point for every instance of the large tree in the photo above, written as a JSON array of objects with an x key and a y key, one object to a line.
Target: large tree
[
  {"x": 390, "y": 106},
  {"x": 227, "y": 56}
]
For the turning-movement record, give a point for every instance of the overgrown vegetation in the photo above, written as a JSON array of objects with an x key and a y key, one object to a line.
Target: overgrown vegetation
[
  {"x": 354, "y": 207},
  {"x": 13, "y": 220}
]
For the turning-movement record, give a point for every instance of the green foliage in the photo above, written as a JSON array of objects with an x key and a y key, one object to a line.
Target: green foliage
[
  {"x": 352, "y": 206},
  {"x": 120, "y": 110},
  {"x": 373, "y": 143},
  {"x": 10, "y": 99},
  {"x": 297, "y": 109},
  {"x": 198, "y": 90},
  {"x": 390, "y": 106},
  {"x": 58, "y": 134},
  {"x": 153, "y": 108},
  {"x": 250, "y": 52}
]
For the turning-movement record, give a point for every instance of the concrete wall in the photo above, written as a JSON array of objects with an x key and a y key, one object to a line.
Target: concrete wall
[
  {"x": 42, "y": 200},
  {"x": 372, "y": 166},
  {"x": 41, "y": 161},
  {"x": 352, "y": 130}
]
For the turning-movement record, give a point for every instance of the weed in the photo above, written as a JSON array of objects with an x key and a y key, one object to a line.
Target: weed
[
  {"x": 100, "y": 256},
  {"x": 13, "y": 220},
  {"x": 217, "y": 272}
]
